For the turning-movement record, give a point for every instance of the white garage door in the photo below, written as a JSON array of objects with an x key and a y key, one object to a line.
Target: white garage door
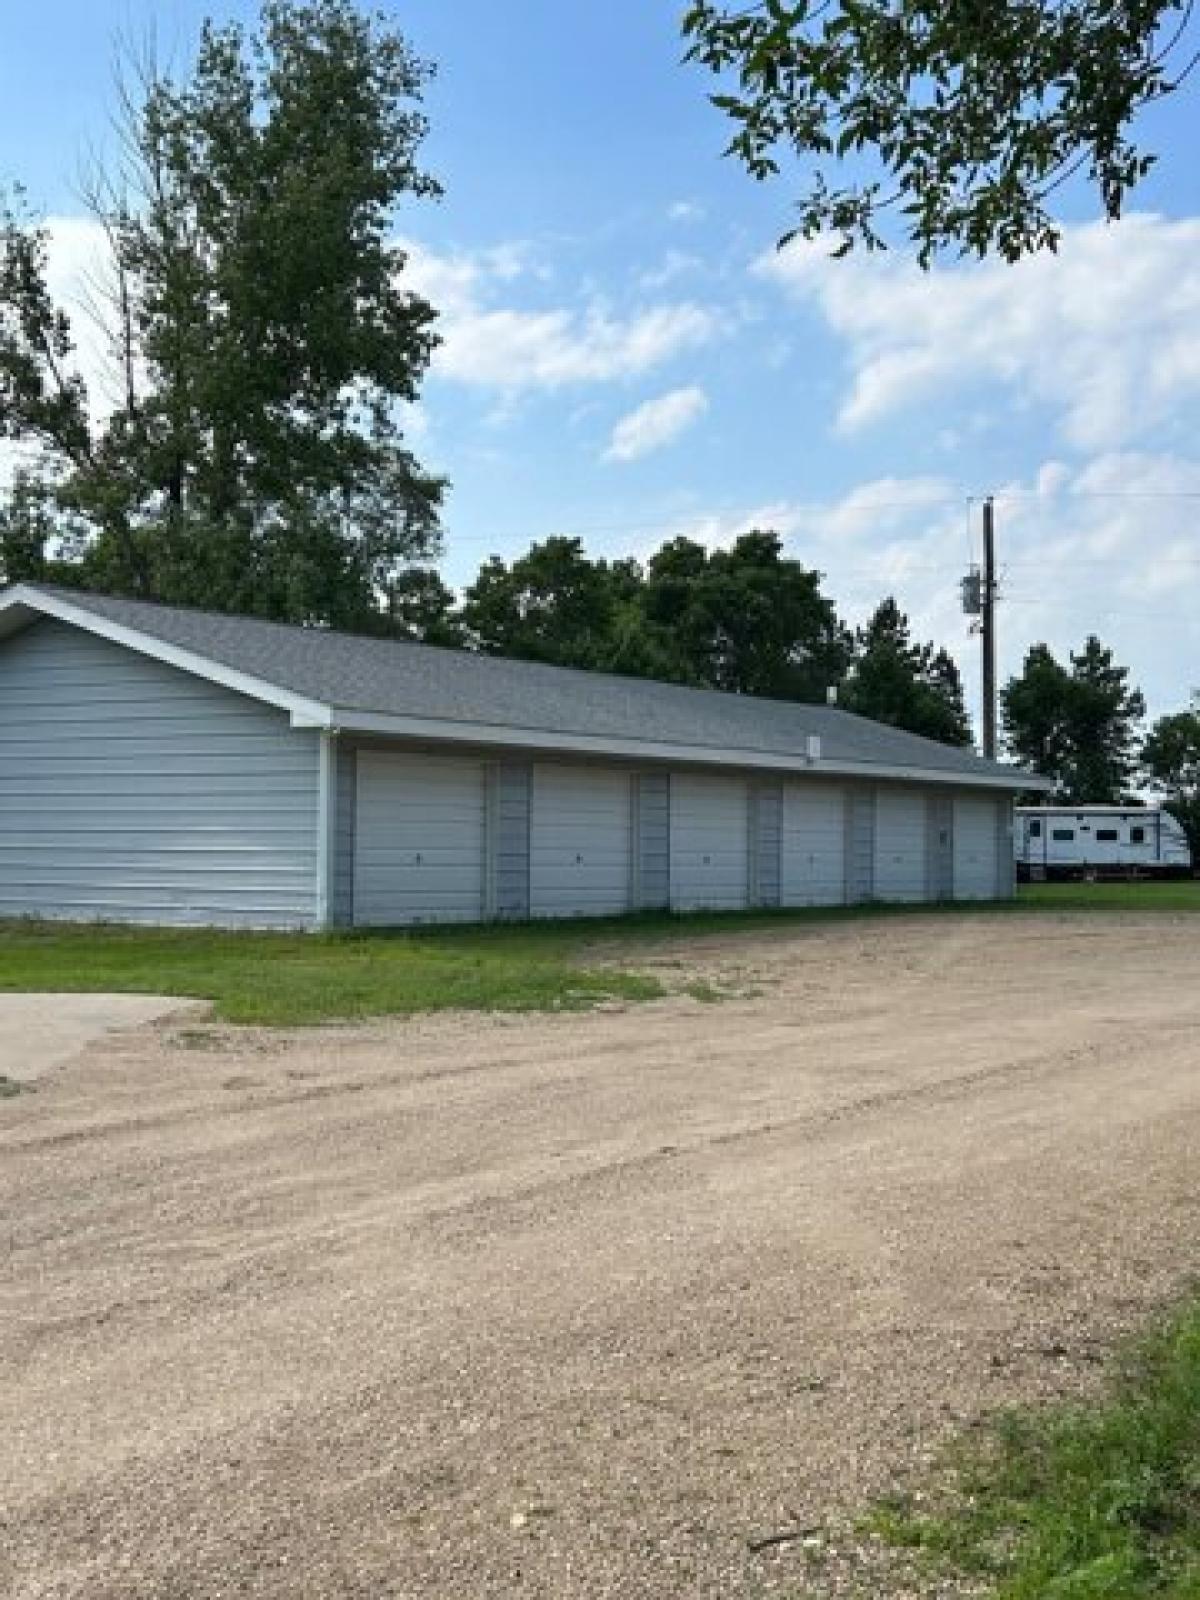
[
  {"x": 419, "y": 843},
  {"x": 814, "y": 844},
  {"x": 974, "y": 848},
  {"x": 900, "y": 845},
  {"x": 709, "y": 843},
  {"x": 579, "y": 842}
]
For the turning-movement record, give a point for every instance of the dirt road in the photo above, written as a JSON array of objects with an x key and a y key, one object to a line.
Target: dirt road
[{"x": 580, "y": 1306}]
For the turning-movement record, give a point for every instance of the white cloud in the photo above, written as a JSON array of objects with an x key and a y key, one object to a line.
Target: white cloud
[
  {"x": 512, "y": 349},
  {"x": 657, "y": 423},
  {"x": 674, "y": 264},
  {"x": 1106, "y": 334},
  {"x": 547, "y": 349},
  {"x": 686, "y": 211},
  {"x": 1107, "y": 546}
]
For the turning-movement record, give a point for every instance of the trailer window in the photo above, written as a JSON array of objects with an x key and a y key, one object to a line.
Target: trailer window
[
  {"x": 1107, "y": 835},
  {"x": 1063, "y": 835},
  {"x": 1137, "y": 835},
  {"x": 1035, "y": 830}
]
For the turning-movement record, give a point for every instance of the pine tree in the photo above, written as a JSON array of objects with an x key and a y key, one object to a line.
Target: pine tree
[{"x": 907, "y": 685}]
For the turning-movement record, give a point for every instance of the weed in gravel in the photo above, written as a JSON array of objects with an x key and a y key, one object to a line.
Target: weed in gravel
[{"x": 1082, "y": 1502}]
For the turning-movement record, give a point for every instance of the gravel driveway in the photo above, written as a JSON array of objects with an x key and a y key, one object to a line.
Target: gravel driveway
[{"x": 583, "y": 1306}]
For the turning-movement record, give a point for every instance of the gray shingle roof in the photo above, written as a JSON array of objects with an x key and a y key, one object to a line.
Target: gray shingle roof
[{"x": 353, "y": 674}]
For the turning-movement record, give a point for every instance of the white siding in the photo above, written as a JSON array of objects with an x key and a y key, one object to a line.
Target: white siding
[
  {"x": 652, "y": 840},
  {"x": 814, "y": 843},
  {"x": 133, "y": 792},
  {"x": 709, "y": 843},
  {"x": 419, "y": 849},
  {"x": 900, "y": 844},
  {"x": 976, "y": 819},
  {"x": 580, "y": 839}
]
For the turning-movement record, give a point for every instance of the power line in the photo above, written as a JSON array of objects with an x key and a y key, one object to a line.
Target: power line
[
  {"x": 567, "y": 528},
  {"x": 1178, "y": 618},
  {"x": 679, "y": 521},
  {"x": 1098, "y": 561},
  {"x": 1099, "y": 494}
]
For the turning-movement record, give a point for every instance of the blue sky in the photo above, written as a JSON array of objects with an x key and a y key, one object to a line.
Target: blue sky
[{"x": 627, "y": 357}]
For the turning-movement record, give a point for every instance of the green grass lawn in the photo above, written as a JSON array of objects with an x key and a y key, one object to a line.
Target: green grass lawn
[
  {"x": 276, "y": 978},
  {"x": 1182, "y": 894},
  {"x": 1078, "y": 1502},
  {"x": 283, "y": 979}
]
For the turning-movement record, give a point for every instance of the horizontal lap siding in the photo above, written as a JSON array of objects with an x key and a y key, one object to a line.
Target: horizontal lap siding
[
  {"x": 652, "y": 843},
  {"x": 860, "y": 844},
  {"x": 512, "y": 798},
  {"x": 581, "y": 832},
  {"x": 133, "y": 792},
  {"x": 814, "y": 843},
  {"x": 345, "y": 790},
  {"x": 419, "y": 844},
  {"x": 766, "y": 842},
  {"x": 1006, "y": 857},
  {"x": 709, "y": 843}
]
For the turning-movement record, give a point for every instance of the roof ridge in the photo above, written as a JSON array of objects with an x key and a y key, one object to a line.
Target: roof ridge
[{"x": 319, "y": 630}]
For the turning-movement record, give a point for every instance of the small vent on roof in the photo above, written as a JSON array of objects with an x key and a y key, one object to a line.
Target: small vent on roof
[{"x": 813, "y": 747}]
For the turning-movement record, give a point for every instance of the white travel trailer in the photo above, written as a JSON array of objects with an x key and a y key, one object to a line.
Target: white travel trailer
[{"x": 1099, "y": 841}]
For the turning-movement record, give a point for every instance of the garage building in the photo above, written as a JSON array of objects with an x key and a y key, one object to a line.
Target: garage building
[{"x": 161, "y": 765}]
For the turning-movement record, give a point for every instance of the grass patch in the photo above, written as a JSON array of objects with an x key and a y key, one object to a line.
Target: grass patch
[
  {"x": 10, "y": 1088},
  {"x": 1080, "y": 1502},
  {"x": 288, "y": 979},
  {"x": 282, "y": 979},
  {"x": 1179, "y": 894}
]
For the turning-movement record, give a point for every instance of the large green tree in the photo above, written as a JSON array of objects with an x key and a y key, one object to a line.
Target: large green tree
[
  {"x": 1105, "y": 716},
  {"x": 1035, "y": 708},
  {"x": 554, "y": 603},
  {"x": 1077, "y": 724},
  {"x": 960, "y": 119},
  {"x": 904, "y": 683},
  {"x": 747, "y": 619},
  {"x": 1171, "y": 762},
  {"x": 263, "y": 340},
  {"x": 421, "y": 605}
]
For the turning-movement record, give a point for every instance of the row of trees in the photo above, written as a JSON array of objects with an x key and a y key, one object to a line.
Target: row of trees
[
  {"x": 750, "y": 620},
  {"x": 1080, "y": 723},
  {"x": 746, "y": 619}
]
